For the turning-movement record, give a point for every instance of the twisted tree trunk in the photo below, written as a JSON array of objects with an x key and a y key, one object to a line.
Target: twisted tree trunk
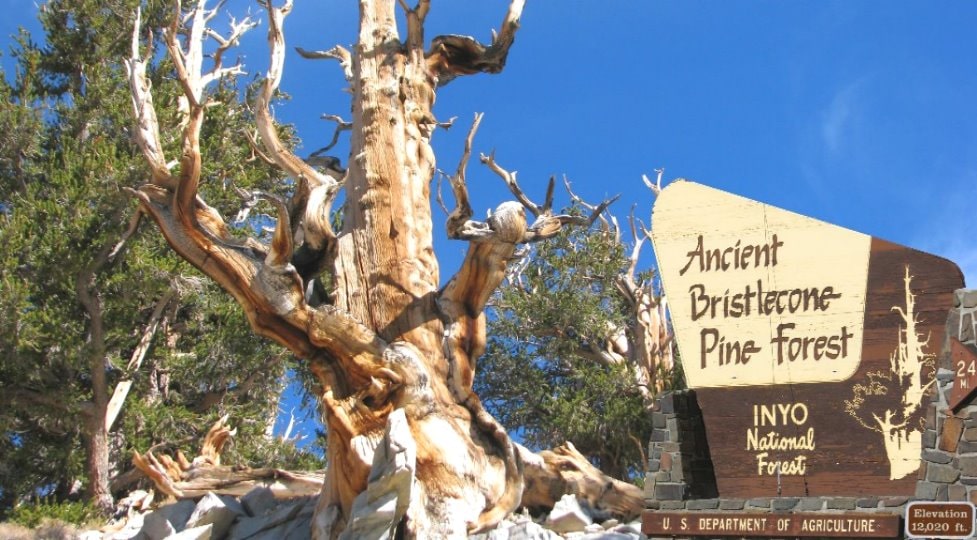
[
  {"x": 384, "y": 338},
  {"x": 99, "y": 419}
]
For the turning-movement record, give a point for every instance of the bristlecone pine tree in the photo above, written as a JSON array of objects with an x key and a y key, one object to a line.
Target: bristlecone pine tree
[
  {"x": 384, "y": 341},
  {"x": 92, "y": 304}
]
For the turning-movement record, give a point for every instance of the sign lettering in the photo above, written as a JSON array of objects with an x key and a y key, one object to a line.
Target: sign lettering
[
  {"x": 964, "y": 361},
  {"x": 811, "y": 348},
  {"x": 758, "y": 301},
  {"x": 801, "y": 524},
  {"x": 940, "y": 520}
]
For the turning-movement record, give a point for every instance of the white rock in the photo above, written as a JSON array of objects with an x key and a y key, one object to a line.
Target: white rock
[
  {"x": 498, "y": 534},
  {"x": 378, "y": 509},
  {"x": 530, "y": 530},
  {"x": 277, "y": 533},
  {"x": 157, "y": 529},
  {"x": 248, "y": 527},
  {"x": 629, "y": 528},
  {"x": 300, "y": 529},
  {"x": 610, "y": 535},
  {"x": 195, "y": 533},
  {"x": 172, "y": 516},
  {"x": 568, "y": 516},
  {"x": 259, "y": 500},
  {"x": 217, "y": 511},
  {"x": 132, "y": 529}
]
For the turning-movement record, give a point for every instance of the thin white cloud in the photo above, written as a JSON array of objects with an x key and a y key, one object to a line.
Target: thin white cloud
[{"x": 838, "y": 120}]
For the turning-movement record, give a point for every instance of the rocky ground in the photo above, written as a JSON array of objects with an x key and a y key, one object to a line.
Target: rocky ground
[{"x": 259, "y": 515}]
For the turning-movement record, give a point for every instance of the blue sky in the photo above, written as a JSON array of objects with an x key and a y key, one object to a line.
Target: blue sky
[
  {"x": 862, "y": 114},
  {"x": 850, "y": 112}
]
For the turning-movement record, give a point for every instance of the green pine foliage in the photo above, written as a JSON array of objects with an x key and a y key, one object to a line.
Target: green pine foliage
[
  {"x": 66, "y": 161},
  {"x": 536, "y": 376},
  {"x": 40, "y": 511}
]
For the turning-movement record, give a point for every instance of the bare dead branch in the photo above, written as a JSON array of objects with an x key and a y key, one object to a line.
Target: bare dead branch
[
  {"x": 224, "y": 44},
  {"x": 312, "y": 212},
  {"x": 565, "y": 470},
  {"x": 256, "y": 151},
  {"x": 181, "y": 478},
  {"x": 629, "y": 275},
  {"x": 339, "y": 53},
  {"x": 134, "y": 222},
  {"x": 422, "y": 9},
  {"x": 459, "y": 220},
  {"x": 548, "y": 202},
  {"x": 451, "y": 56},
  {"x": 280, "y": 253},
  {"x": 584, "y": 204},
  {"x": 510, "y": 181},
  {"x": 655, "y": 187},
  {"x": 547, "y": 225},
  {"x": 146, "y": 133},
  {"x": 187, "y": 63},
  {"x": 210, "y": 14},
  {"x": 341, "y": 125},
  {"x": 238, "y": 29},
  {"x": 160, "y": 474},
  {"x": 217, "y": 436},
  {"x": 139, "y": 353},
  {"x": 415, "y": 22},
  {"x": 447, "y": 124},
  {"x": 518, "y": 265}
]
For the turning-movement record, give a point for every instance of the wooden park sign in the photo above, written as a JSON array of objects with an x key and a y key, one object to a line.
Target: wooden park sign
[
  {"x": 760, "y": 525},
  {"x": 810, "y": 346},
  {"x": 947, "y": 520}
]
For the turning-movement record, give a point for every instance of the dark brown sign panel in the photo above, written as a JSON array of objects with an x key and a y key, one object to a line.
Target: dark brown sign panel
[
  {"x": 810, "y": 524},
  {"x": 811, "y": 347},
  {"x": 940, "y": 520}
]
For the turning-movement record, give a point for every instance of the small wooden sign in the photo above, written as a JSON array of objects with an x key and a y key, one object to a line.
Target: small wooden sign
[
  {"x": 811, "y": 348},
  {"x": 940, "y": 520},
  {"x": 760, "y": 525},
  {"x": 963, "y": 361}
]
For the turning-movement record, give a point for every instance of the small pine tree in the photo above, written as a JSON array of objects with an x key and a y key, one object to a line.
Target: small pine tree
[
  {"x": 560, "y": 362},
  {"x": 82, "y": 291}
]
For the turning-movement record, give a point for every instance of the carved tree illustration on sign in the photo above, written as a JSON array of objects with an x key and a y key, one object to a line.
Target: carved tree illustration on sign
[
  {"x": 384, "y": 337},
  {"x": 871, "y": 405}
]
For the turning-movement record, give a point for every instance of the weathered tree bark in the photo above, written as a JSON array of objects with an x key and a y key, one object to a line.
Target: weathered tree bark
[
  {"x": 182, "y": 478},
  {"x": 97, "y": 443},
  {"x": 97, "y": 491},
  {"x": 385, "y": 338},
  {"x": 650, "y": 349},
  {"x": 552, "y": 473},
  {"x": 548, "y": 476}
]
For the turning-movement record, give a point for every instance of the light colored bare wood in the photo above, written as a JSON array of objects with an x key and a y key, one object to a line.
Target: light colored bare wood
[
  {"x": 385, "y": 338},
  {"x": 551, "y": 473}
]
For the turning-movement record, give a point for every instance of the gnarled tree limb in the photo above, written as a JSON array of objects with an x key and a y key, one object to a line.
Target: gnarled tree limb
[
  {"x": 451, "y": 56},
  {"x": 551, "y": 473},
  {"x": 338, "y": 53},
  {"x": 385, "y": 338},
  {"x": 184, "y": 479}
]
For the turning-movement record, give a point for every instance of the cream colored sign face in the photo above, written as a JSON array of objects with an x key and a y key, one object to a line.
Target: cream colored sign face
[{"x": 758, "y": 295}]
